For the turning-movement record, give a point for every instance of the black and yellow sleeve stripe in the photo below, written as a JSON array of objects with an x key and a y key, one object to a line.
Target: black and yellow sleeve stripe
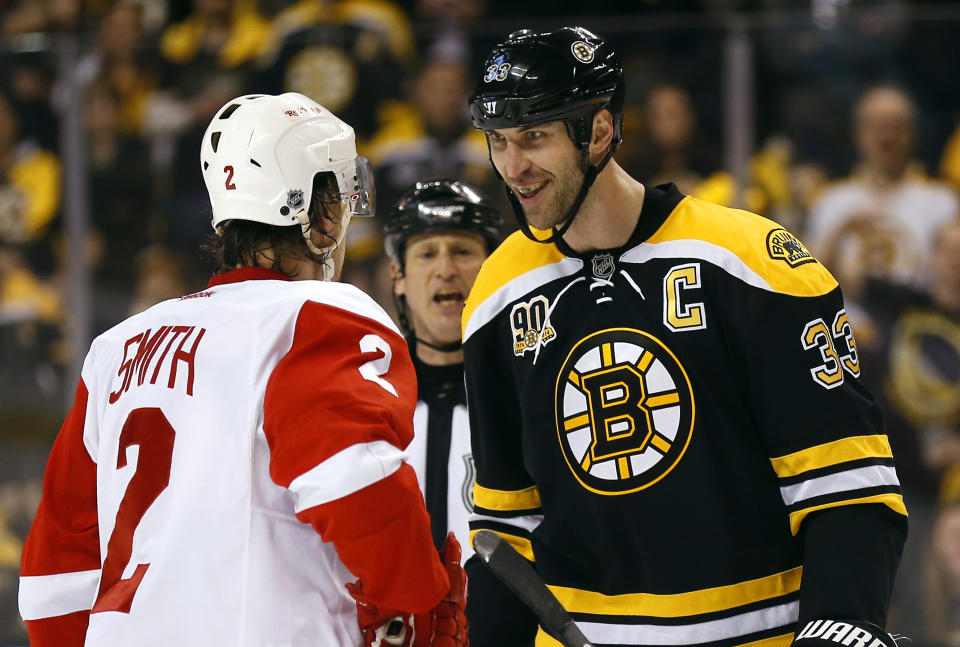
[
  {"x": 848, "y": 471},
  {"x": 512, "y": 514}
]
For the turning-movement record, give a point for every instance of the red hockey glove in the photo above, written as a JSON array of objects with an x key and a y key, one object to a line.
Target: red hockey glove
[{"x": 443, "y": 626}]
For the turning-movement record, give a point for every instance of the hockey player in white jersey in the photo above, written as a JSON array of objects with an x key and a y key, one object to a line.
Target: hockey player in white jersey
[{"x": 233, "y": 462}]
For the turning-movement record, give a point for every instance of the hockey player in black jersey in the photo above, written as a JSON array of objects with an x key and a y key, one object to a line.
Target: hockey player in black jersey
[
  {"x": 665, "y": 403},
  {"x": 438, "y": 234}
]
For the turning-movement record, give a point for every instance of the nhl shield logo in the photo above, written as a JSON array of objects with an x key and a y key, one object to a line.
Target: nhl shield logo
[
  {"x": 603, "y": 266},
  {"x": 295, "y": 199},
  {"x": 582, "y": 51}
]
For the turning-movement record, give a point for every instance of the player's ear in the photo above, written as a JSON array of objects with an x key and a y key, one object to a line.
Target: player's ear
[
  {"x": 399, "y": 286},
  {"x": 602, "y": 134}
]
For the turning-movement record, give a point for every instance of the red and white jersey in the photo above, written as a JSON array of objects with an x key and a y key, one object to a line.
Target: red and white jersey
[{"x": 232, "y": 459}]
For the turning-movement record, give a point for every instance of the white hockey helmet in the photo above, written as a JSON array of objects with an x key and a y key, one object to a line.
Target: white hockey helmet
[{"x": 261, "y": 152}]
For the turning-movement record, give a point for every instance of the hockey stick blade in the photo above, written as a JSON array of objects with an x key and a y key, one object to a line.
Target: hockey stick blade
[{"x": 515, "y": 571}]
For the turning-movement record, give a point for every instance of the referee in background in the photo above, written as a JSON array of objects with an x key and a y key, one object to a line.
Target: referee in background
[{"x": 438, "y": 235}]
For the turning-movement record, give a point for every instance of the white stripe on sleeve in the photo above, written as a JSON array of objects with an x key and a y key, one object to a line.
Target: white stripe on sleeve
[
  {"x": 861, "y": 477},
  {"x": 48, "y": 596},
  {"x": 346, "y": 472}
]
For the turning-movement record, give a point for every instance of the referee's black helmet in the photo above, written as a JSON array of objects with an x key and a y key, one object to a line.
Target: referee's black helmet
[{"x": 438, "y": 205}]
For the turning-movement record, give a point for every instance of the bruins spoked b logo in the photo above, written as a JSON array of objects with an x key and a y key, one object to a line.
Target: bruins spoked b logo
[{"x": 624, "y": 410}]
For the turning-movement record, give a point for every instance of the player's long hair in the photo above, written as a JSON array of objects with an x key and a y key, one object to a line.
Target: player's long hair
[{"x": 244, "y": 243}]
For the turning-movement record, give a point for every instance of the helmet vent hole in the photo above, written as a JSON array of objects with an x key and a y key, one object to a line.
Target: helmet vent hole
[
  {"x": 232, "y": 108},
  {"x": 215, "y": 140},
  {"x": 206, "y": 165},
  {"x": 284, "y": 210},
  {"x": 255, "y": 163}
]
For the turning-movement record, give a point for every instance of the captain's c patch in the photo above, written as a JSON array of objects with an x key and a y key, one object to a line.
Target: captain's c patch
[{"x": 785, "y": 246}]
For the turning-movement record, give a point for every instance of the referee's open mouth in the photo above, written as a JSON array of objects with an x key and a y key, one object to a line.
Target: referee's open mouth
[{"x": 448, "y": 297}]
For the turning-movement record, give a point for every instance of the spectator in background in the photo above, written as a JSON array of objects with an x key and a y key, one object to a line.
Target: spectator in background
[
  {"x": 121, "y": 192},
  {"x": 29, "y": 190},
  {"x": 941, "y": 592},
  {"x": 121, "y": 61},
  {"x": 159, "y": 276},
  {"x": 429, "y": 137},
  {"x": 909, "y": 340},
  {"x": 882, "y": 220},
  {"x": 675, "y": 152},
  {"x": 30, "y": 305},
  {"x": 207, "y": 57},
  {"x": 433, "y": 136},
  {"x": 325, "y": 50}
]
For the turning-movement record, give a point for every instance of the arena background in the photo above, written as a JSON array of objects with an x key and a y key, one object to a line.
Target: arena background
[{"x": 746, "y": 103}]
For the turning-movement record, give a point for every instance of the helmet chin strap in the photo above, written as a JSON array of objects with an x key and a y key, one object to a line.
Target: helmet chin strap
[
  {"x": 443, "y": 348},
  {"x": 327, "y": 270}
]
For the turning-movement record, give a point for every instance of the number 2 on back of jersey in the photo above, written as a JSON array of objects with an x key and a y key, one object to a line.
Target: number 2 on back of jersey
[{"x": 151, "y": 432}]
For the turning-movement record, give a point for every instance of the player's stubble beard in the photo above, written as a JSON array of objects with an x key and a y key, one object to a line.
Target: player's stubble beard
[{"x": 566, "y": 183}]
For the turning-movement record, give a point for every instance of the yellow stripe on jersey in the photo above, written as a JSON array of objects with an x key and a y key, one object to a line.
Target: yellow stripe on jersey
[
  {"x": 515, "y": 256},
  {"x": 522, "y": 545},
  {"x": 506, "y": 500},
  {"x": 774, "y": 641},
  {"x": 545, "y": 640},
  {"x": 891, "y": 499},
  {"x": 745, "y": 235},
  {"x": 678, "y": 605},
  {"x": 832, "y": 453}
]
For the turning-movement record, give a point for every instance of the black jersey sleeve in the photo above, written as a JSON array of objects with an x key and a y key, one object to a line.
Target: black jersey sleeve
[
  {"x": 506, "y": 499},
  {"x": 821, "y": 427},
  {"x": 850, "y": 554},
  {"x": 796, "y": 353}
]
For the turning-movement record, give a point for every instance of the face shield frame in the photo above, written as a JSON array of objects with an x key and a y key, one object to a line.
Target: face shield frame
[{"x": 360, "y": 196}]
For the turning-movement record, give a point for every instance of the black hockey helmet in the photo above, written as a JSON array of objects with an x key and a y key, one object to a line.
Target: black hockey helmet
[
  {"x": 533, "y": 78},
  {"x": 436, "y": 205}
]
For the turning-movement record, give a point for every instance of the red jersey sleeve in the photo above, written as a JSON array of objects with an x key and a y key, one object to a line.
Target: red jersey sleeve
[
  {"x": 60, "y": 566},
  {"x": 338, "y": 411}
]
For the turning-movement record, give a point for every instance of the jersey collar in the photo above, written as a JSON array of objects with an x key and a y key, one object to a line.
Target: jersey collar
[
  {"x": 658, "y": 203},
  {"x": 247, "y": 274}
]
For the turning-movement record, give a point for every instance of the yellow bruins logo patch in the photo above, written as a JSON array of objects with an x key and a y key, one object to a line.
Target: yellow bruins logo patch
[
  {"x": 624, "y": 411},
  {"x": 788, "y": 248}
]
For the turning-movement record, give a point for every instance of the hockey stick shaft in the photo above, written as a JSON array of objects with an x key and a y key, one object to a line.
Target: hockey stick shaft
[{"x": 513, "y": 570}]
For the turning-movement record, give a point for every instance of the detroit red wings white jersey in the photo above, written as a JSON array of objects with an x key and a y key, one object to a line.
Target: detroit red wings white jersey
[{"x": 233, "y": 458}]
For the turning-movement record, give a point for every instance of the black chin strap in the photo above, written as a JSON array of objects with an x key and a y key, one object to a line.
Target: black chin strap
[{"x": 443, "y": 348}]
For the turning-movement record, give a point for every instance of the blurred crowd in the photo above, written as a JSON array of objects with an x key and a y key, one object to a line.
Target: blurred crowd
[{"x": 858, "y": 152}]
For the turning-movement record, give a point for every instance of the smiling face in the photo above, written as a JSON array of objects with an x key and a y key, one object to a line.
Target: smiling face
[
  {"x": 542, "y": 166},
  {"x": 440, "y": 270}
]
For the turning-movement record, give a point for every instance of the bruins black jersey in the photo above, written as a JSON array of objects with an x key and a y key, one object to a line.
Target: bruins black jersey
[{"x": 653, "y": 424}]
